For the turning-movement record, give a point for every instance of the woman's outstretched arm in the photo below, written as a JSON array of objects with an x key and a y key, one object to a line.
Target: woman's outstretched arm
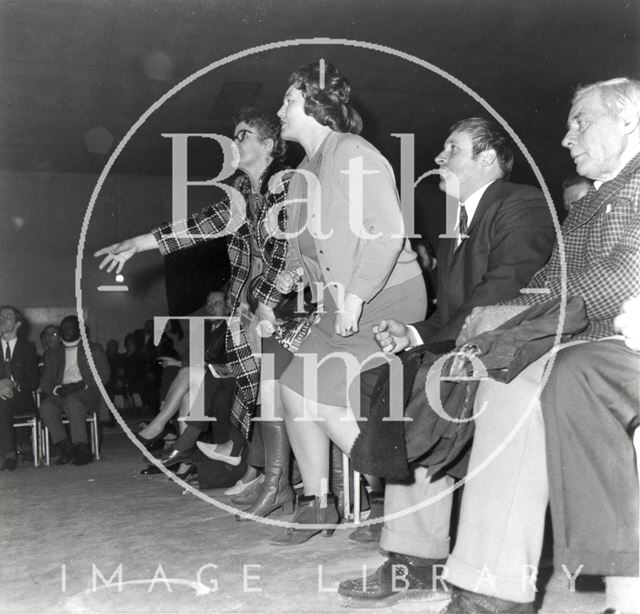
[{"x": 117, "y": 254}]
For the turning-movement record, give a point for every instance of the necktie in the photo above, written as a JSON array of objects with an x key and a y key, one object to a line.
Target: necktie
[
  {"x": 7, "y": 361},
  {"x": 463, "y": 225}
]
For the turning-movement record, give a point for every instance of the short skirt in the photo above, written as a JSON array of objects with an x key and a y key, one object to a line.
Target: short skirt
[{"x": 331, "y": 362}]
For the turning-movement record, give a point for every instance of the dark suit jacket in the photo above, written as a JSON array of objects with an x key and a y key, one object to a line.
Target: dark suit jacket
[
  {"x": 54, "y": 360},
  {"x": 24, "y": 369},
  {"x": 510, "y": 237}
]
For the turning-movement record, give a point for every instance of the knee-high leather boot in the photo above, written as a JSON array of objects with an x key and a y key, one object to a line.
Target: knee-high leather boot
[
  {"x": 336, "y": 485},
  {"x": 276, "y": 490}
]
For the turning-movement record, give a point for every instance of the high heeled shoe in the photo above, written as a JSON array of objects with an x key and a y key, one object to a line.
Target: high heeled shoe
[
  {"x": 310, "y": 511},
  {"x": 169, "y": 458},
  {"x": 154, "y": 444}
]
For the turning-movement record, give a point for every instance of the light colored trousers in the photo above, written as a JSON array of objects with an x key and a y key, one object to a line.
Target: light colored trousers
[{"x": 505, "y": 498}]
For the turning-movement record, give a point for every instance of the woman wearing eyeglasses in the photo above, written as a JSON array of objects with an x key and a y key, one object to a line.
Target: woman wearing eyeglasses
[{"x": 257, "y": 255}]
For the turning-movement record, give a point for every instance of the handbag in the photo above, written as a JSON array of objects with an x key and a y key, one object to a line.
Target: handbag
[{"x": 294, "y": 317}]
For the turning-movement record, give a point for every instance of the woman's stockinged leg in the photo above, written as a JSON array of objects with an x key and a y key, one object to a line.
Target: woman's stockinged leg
[
  {"x": 179, "y": 387},
  {"x": 310, "y": 434}
]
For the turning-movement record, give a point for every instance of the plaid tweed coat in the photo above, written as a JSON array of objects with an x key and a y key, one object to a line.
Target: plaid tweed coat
[
  {"x": 601, "y": 239},
  {"x": 213, "y": 222}
]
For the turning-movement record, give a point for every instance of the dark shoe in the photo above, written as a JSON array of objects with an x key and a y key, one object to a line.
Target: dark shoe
[
  {"x": 276, "y": 492},
  {"x": 81, "y": 454},
  {"x": 370, "y": 533},
  {"x": 466, "y": 602},
  {"x": 270, "y": 503},
  {"x": 150, "y": 470},
  {"x": 155, "y": 443},
  {"x": 172, "y": 457},
  {"x": 310, "y": 511},
  {"x": 9, "y": 464},
  {"x": 169, "y": 458},
  {"x": 66, "y": 452},
  {"x": 399, "y": 578}
]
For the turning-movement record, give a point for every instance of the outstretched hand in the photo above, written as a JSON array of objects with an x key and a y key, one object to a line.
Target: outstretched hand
[{"x": 116, "y": 255}]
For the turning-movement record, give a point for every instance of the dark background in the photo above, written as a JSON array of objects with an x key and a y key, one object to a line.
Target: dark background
[{"x": 77, "y": 74}]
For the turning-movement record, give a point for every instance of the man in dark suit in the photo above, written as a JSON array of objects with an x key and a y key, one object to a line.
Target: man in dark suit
[
  {"x": 71, "y": 390},
  {"x": 502, "y": 236},
  {"x": 18, "y": 379}
]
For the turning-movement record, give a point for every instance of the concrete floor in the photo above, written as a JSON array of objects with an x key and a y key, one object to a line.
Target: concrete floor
[{"x": 66, "y": 530}]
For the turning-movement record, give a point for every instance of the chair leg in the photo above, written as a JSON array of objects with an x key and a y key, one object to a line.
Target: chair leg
[
  {"x": 45, "y": 437},
  {"x": 95, "y": 437},
  {"x": 34, "y": 442}
]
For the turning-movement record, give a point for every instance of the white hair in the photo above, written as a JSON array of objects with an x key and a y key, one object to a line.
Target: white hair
[{"x": 616, "y": 94}]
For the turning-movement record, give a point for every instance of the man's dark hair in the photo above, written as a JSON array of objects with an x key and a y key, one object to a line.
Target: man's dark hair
[{"x": 485, "y": 135}]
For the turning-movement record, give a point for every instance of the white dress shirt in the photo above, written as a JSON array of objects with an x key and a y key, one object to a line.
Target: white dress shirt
[{"x": 470, "y": 204}]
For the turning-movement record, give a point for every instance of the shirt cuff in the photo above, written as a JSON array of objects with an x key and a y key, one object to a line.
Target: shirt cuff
[{"x": 414, "y": 337}]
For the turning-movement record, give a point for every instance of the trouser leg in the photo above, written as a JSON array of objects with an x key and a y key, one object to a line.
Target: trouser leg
[
  {"x": 76, "y": 409},
  {"x": 502, "y": 516},
  {"x": 590, "y": 404},
  {"x": 425, "y": 531},
  {"x": 51, "y": 414},
  {"x": 7, "y": 435}
]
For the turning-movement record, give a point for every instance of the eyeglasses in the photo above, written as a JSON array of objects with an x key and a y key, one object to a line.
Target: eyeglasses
[
  {"x": 52, "y": 333},
  {"x": 242, "y": 135}
]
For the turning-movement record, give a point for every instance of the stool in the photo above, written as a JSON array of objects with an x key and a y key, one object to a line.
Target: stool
[
  {"x": 93, "y": 439},
  {"x": 29, "y": 420}
]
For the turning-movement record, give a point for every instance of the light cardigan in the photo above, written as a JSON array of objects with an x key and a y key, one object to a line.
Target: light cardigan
[{"x": 362, "y": 265}]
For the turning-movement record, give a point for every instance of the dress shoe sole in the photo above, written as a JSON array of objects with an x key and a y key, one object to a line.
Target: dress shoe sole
[
  {"x": 364, "y": 603},
  {"x": 360, "y": 536},
  {"x": 285, "y": 506},
  {"x": 285, "y": 544}
]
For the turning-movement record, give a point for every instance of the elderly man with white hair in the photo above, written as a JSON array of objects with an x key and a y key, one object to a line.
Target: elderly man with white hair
[{"x": 493, "y": 565}]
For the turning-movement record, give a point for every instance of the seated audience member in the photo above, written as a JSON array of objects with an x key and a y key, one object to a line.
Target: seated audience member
[
  {"x": 574, "y": 189},
  {"x": 506, "y": 236},
  {"x": 358, "y": 280},
  {"x": 135, "y": 370},
  {"x": 18, "y": 379},
  {"x": 72, "y": 392},
  {"x": 591, "y": 408},
  {"x": 115, "y": 386},
  {"x": 501, "y": 522},
  {"x": 218, "y": 395},
  {"x": 171, "y": 354},
  {"x": 50, "y": 337},
  {"x": 499, "y": 540}
]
